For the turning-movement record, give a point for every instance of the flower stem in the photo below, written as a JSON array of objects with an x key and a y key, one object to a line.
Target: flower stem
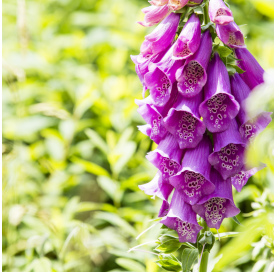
[
  {"x": 205, "y": 256},
  {"x": 206, "y": 13}
]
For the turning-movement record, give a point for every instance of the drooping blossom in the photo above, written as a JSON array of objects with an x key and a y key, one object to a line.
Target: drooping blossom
[
  {"x": 253, "y": 74},
  {"x": 219, "y": 106},
  {"x": 218, "y": 205},
  {"x": 192, "y": 76},
  {"x": 249, "y": 127},
  {"x": 157, "y": 187},
  {"x": 182, "y": 218},
  {"x": 154, "y": 115},
  {"x": 158, "y": 2},
  {"x": 219, "y": 13},
  {"x": 164, "y": 209},
  {"x": 177, "y": 4},
  {"x": 162, "y": 37},
  {"x": 240, "y": 179},
  {"x": 189, "y": 39},
  {"x": 154, "y": 14},
  {"x": 228, "y": 157},
  {"x": 183, "y": 121},
  {"x": 167, "y": 157},
  {"x": 161, "y": 77},
  {"x": 230, "y": 35},
  {"x": 193, "y": 181}
]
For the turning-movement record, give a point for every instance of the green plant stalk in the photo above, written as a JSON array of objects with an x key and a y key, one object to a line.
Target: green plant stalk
[
  {"x": 206, "y": 13},
  {"x": 205, "y": 257}
]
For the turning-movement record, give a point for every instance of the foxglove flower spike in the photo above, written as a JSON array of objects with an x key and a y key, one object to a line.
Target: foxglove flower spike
[{"x": 219, "y": 13}]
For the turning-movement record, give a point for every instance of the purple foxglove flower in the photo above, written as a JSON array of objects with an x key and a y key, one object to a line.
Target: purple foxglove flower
[
  {"x": 249, "y": 127},
  {"x": 219, "y": 13},
  {"x": 193, "y": 3},
  {"x": 230, "y": 35},
  {"x": 253, "y": 74},
  {"x": 157, "y": 187},
  {"x": 241, "y": 178},
  {"x": 183, "y": 121},
  {"x": 188, "y": 40},
  {"x": 154, "y": 14},
  {"x": 161, "y": 77},
  {"x": 167, "y": 157},
  {"x": 177, "y": 4},
  {"x": 219, "y": 106},
  {"x": 158, "y": 2},
  {"x": 192, "y": 76},
  {"x": 218, "y": 205},
  {"x": 164, "y": 209},
  {"x": 193, "y": 181},
  {"x": 182, "y": 218},
  {"x": 162, "y": 37},
  {"x": 154, "y": 116},
  {"x": 229, "y": 151}
]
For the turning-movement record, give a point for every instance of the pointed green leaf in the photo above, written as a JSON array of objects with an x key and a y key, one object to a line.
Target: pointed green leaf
[
  {"x": 168, "y": 244},
  {"x": 226, "y": 235},
  {"x": 189, "y": 257},
  {"x": 236, "y": 220},
  {"x": 169, "y": 265}
]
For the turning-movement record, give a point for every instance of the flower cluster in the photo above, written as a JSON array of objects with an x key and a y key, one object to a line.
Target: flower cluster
[{"x": 193, "y": 98}]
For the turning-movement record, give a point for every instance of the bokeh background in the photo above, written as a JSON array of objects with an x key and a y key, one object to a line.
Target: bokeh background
[{"x": 73, "y": 157}]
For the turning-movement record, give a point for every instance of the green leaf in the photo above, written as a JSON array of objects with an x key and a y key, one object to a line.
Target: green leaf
[
  {"x": 236, "y": 220},
  {"x": 130, "y": 265},
  {"x": 207, "y": 238},
  {"x": 206, "y": 26},
  {"x": 169, "y": 265},
  {"x": 239, "y": 70},
  {"x": 224, "y": 51},
  {"x": 231, "y": 70},
  {"x": 226, "y": 235},
  {"x": 165, "y": 227},
  {"x": 189, "y": 256},
  {"x": 168, "y": 244},
  {"x": 97, "y": 141},
  {"x": 198, "y": 10}
]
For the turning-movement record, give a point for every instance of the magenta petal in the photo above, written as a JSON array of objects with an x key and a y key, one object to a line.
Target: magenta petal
[
  {"x": 177, "y": 4},
  {"x": 219, "y": 13},
  {"x": 193, "y": 3},
  {"x": 218, "y": 205},
  {"x": 188, "y": 40},
  {"x": 253, "y": 74},
  {"x": 219, "y": 106},
  {"x": 184, "y": 123},
  {"x": 193, "y": 181},
  {"x": 154, "y": 14},
  {"x": 241, "y": 178},
  {"x": 182, "y": 218},
  {"x": 158, "y": 2},
  {"x": 230, "y": 35},
  {"x": 157, "y": 187},
  {"x": 249, "y": 127},
  {"x": 229, "y": 151},
  {"x": 192, "y": 76},
  {"x": 164, "y": 209}
]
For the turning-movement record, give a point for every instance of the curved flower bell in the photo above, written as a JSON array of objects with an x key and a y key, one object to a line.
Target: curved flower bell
[
  {"x": 183, "y": 121},
  {"x": 154, "y": 14},
  {"x": 182, "y": 218},
  {"x": 157, "y": 187},
  {"x": 192, "y": 76},
  {"x": 158, "y": 2},
  {"x": 219, "y": 13},
  {"x": 240, "y": 179},
  {"x": 253, "y": 74},
  {"x": 219, "y": 106},
  {"x": 188, "y": 40},
  {"x": 162, "y": 37},
  {"x": 230, "y": 35},
  {"x": 161, "y": 77},
  {"x": 229, "y": 151},
  {"x": 167, "y": 157},
  {"x": 193, "y": 181},
  {"x": 218, "y": 205},
  {"x": 177, "y": 4},
  {"x": 249, "y": 127},
  {"x": 164, "y": 209}
]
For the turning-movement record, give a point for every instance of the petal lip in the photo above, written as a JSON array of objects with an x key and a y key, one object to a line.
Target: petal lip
[{"x": 219, "y": 13}]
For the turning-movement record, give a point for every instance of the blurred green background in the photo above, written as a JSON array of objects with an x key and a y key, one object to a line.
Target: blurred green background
[{"x": 72, "y": 155}]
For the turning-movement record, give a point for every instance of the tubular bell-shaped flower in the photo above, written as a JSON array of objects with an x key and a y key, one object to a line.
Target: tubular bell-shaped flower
[
  {"x": 167, "y": 157},
  {"x": 162, "y": 37},
  {"x": 253, "y": 74},
  {"x": 189, "y": 39},
  {"x": 193, "y": 181},
  {"x": 164, "y": 209},
  {"x": 182, "y": 218},
  {"x": 219, "y": 106},
  {"x": 154, "y": 115},
  {"x": 249, "y": 127},
  {"x": 161, "y": 77},
  {"x": 183, "y": 121},
  {"x": 154, "y": 14},
  {"x": 157, "y": 187},
  {"x": 158, "y": 2},
  {"x": 229, "y": 151},
  {"x": 241, "y": 178},
  {"x": 230, "y": 35},
  {"x": 219, "y": 13},
  {"x": 218, "y": 205},
  {"x": 177, "y": 4},
  {"x": 192, "y": 76}
]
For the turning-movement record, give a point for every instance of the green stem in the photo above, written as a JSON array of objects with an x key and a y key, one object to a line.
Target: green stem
[
  {"x": 205, "y": 257},
  {"x": 206, "y": 13}
]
